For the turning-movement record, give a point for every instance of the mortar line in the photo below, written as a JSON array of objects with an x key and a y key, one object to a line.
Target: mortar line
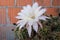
[
  {"x": 51, "y": 2},
  {"x": 56, "y": 6},
  {"x": 33, "y": 1},
  {"x": 7, "y": 17},
  {"x": 22, "y": 6},
  {"x": 14, "y": 2},
  {"x": 2, "y": 25}
]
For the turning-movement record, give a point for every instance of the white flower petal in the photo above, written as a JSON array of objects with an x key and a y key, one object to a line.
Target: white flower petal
[
  {"x": 35, "y": 5},
  {"x": 36, "y": 19},
  {"x": 29, "y": 29},
  {"x": 20, "y": 14},
  {"x": 21, "y": 24},
  {"x": 35, "y": 26},
  {"x": 39, "y": 8},
  {"x": 24, "y": 7},
  {"x": 30, "y": 22},
  {"x": 42, "y": 11},
  {"x": 43, "y": 17},
  {"x": 27, "y": 11},
  {"x": 37, "y": 11},
  {"x": 20, "y": 17}
]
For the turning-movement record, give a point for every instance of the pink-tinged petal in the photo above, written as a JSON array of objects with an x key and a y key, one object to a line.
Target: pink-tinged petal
[
  {"x": 35, "y": 26},
  {"x": 21, "y": 24},
  {"x": 19, "y": 21},
  {"x": 28, "y": 6},
  {"x": 19, "y": 17},
  {"x": 43, "y": 17},
  {"x": 29, "y": 29},
  {"x": 20, "y": 14},
  {"x": 40, "y": 24}
]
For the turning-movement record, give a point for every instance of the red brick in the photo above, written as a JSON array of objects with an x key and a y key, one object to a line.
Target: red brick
[
  {"x": 12, "y": 12},
  {"x": 2, "y": 16},
  {"x": 6, "y": 2},
  {"x": 52, "y": 11},
  {"x": 23, "y": 2},
  {"x": 44, "y": 2},
  {"x": 56, "y": 2}
]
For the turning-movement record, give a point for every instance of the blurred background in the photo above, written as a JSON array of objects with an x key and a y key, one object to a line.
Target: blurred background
[{"x": 10, "y": 8}]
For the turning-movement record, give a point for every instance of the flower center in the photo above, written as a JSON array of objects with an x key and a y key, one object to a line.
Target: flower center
[{"x": 33, "y": 17}]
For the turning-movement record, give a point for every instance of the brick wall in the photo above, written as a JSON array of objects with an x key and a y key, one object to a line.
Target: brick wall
[{"x": 10, "y": 8}]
